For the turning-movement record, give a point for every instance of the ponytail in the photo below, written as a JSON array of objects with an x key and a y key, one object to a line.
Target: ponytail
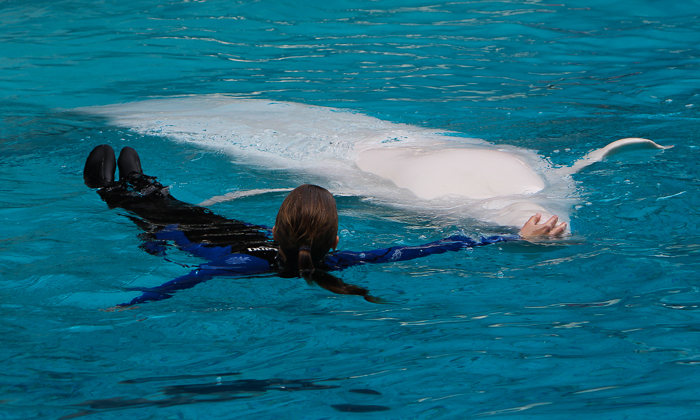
[
  {"x": 306, "y": 262},
  {"x": 337, "y": 286}
]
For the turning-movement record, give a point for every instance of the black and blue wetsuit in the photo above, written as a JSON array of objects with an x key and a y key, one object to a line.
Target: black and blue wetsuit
[
  {"x": 232, "y": 247},
  {"x": 259, "y": 259}
]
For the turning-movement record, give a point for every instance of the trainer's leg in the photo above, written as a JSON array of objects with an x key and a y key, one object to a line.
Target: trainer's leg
[
  {"x": 128, "y": 162},
  {"x": 99, "y": 167}
]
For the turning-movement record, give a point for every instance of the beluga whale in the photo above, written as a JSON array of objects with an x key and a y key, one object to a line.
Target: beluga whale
[{"x": 390, "y": 163}]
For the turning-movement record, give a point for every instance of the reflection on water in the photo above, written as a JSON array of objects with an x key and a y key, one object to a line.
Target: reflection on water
[{"x": 216, "y": 392}]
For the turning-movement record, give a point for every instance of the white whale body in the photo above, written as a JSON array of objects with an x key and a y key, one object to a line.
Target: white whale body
[{"x": 360, "y": 155}]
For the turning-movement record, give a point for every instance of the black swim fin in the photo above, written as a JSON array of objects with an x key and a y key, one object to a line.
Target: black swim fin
[
  {"x": 99, "y": 167},
  {"x": 129, "y": 162}
]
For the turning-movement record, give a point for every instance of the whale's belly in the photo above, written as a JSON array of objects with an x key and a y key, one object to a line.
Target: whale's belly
[{"x": 473, "y": 173}]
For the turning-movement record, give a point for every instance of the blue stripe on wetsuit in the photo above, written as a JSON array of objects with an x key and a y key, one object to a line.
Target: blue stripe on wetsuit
[
  {"x": 344, "y": 259},
  {"x": 208, "y": 252}
]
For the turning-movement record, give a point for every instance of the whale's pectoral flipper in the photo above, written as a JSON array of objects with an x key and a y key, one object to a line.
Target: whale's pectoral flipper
[
  {"x": 239, "y": 194},
  {"x": 631, "y": 144}
]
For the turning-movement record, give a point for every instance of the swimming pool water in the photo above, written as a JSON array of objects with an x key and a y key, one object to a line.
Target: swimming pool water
[{"x": 603, "y": 325}]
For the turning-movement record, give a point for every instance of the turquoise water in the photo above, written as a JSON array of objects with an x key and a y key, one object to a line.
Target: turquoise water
[{"x": 603, "y": 325}]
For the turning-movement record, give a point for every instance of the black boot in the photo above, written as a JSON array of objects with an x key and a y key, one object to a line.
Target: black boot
[
  {"x": 99, "y": 167},
  {"x": 129, "y": 163}
]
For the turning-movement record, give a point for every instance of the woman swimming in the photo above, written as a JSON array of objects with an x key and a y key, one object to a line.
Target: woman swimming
[{"x": 306, "y": 229}]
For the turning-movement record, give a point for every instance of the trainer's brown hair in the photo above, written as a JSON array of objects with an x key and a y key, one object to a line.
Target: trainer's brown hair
[{"x": 306, "y": 227}]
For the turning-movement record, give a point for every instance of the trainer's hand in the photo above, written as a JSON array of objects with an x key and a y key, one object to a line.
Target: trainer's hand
[{"x": 550, "y": 227}]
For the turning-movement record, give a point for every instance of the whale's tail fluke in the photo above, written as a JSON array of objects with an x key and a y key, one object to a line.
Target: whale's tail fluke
[{"x": 631, "y": 144}]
